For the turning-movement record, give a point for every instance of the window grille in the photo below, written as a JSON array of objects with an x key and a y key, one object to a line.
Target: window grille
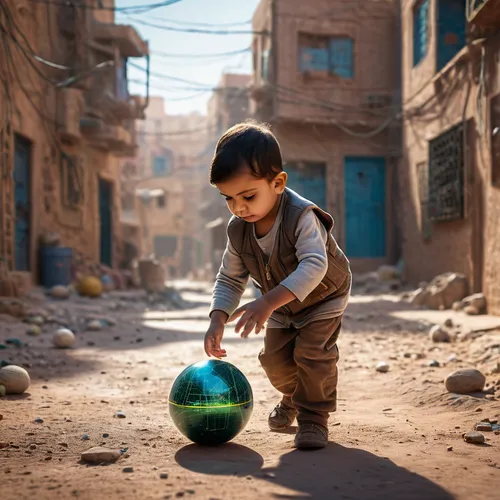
[{"x": 446, "y": 175}]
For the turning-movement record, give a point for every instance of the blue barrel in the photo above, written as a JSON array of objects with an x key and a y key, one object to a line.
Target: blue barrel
[{"x": 56, "y": 266}]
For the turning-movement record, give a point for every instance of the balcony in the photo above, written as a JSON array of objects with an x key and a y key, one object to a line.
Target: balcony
[
  {"x": 108, "y": 98},
  {"x": 123, "y": 36},
  {"x": 484, "y": 13},
  {"x": 117, "y": 139}
]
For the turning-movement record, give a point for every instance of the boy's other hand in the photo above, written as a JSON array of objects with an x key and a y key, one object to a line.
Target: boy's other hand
[
  {"x": 212, "y": 342},
  {"x": 253, "y": 316}
]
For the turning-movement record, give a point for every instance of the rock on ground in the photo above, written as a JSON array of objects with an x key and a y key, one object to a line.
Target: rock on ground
[
  {"x": 99, "y": 454},
  {"x": 465, "y": 381}
]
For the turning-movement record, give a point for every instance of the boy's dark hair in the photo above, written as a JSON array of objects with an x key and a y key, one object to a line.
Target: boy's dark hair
[{"x": 248, "y": 144}]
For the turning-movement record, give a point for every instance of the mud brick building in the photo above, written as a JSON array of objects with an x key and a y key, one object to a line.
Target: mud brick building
[
  {"x": 66, "y": 117},
  {"x": 450, "y": 171},
  {"x": 326, "y": 77}
]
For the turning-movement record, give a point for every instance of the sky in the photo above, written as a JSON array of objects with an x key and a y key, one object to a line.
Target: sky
[{"x": 202, "y": 73}]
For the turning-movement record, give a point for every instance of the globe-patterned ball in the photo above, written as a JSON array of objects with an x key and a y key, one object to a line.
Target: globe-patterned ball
[{"x": 210, "y": 402}]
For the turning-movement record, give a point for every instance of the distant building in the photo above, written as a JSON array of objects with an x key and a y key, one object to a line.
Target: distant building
[
  {"x": 168, "y": 181},
  {"x": 228, "y": 105},
  {"x": 450, "y": 172},
  {"x": 326, "y": 78},
  {"x": 66, "y": 119}
]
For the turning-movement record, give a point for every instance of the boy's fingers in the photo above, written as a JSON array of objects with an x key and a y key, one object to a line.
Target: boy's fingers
[
  {"x": 243, "y": 320},
  {"x": 237, "y": 313},
  {"x": 248, "y": 328}
]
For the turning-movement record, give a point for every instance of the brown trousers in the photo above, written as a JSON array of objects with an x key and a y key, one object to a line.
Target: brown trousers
[{"x": 302, "y": 365}]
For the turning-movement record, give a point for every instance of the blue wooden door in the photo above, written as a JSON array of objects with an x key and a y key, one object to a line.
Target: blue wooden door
[
  {"x": 22, "y": 197},
  {"x": 106, "y": 220},
  {"x": 309, "y": 180},
  {"x": 364, "y": 179},
  {"x": 450, "y": 30}
]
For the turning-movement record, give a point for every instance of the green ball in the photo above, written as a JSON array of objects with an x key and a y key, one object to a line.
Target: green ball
[{"x": 210, "y": 402}]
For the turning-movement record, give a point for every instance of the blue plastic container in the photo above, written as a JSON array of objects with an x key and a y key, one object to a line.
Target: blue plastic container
[{"x": 56, "y": 266}]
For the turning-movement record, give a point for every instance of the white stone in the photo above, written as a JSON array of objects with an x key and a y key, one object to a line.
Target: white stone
[
  {"x": 60, "y": 292},
  {"x": 63, "y": 338},
  {"x": 15, "y": 379},
  {"x": 382, "y": 367},
  {"x": 94, "y": 325}
]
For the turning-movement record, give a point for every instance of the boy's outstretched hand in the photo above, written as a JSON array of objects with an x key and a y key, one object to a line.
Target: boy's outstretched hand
[
  {"x": 253, "y": 316},
  {"x": 214, "y": 335},
  {"x": 256, "y": 313}
]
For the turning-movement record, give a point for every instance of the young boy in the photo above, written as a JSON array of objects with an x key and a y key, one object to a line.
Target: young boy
[{"x": 284, "y": 243}]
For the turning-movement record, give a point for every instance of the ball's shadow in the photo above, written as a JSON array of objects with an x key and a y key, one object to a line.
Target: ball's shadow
[{"x": 228, "y": 459}]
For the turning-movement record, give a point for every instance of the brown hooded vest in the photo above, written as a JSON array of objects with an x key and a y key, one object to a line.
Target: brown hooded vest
[{"x": 283, "y": 260}]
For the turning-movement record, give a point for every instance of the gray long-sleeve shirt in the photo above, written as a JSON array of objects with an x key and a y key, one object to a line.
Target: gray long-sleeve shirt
[{"x": 311, "y": 253}]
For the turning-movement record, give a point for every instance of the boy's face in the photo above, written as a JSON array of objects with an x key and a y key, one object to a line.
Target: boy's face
[{"x": 250, "y": 198}]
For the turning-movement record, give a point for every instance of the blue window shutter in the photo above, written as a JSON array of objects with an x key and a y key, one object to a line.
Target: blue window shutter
[
  {"x": 342, "y": 57},
  {"x": 313, "y": 59},
  {"x": 420, "y": 28}
]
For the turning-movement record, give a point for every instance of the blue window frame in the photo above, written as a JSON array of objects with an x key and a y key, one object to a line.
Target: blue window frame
[
  {"x": 451, "y": 24},
  {"x": 420, "y": 30},
  {"x": 342, "y": 57},
  {"x": 313, "y": 59},
  {"x": 334, "y": 55}
]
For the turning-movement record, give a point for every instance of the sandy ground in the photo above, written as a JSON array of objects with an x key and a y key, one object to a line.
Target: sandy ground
[{"x": 396, "y": 435}]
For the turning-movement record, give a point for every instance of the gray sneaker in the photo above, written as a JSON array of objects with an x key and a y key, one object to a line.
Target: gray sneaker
[
  {"x": 311, "y": 436},
  {"x": 281, "y": 417}
]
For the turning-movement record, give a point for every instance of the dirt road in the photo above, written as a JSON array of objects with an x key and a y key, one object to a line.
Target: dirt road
[{"x": 396, "y": 435}]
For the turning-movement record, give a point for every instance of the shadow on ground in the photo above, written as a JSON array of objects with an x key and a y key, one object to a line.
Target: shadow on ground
[{"x": 335, "y": 472}]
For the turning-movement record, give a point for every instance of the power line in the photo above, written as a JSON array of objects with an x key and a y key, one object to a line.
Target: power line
[
  {"x": 136, "y": 9},
  {"x": 200, "y": 56},
  {"x": 207, "y": 25},
  {"x": 197, "y": 30}
]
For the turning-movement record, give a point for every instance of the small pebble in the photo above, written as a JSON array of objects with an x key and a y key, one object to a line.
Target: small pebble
[
  {"x": 38, "y": 420},
  {"x": 120, "y": 414},
  {"x": 433, "y": 364},
  {"x": 85, "y": 437},
  {"x": 128, "y": 469},
  {"x": 163, "y": 475},
  {"x": 105, "y": 435},
  {"x": 450, "y": 448},
  {"x": 382, "y": 367}
]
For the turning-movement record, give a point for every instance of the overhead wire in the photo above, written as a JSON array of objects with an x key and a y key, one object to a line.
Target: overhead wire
[
  {"x": 200, "y": 55},
  {"x": 137, "y": 9},
  {"x": 198, "y": 31}
]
